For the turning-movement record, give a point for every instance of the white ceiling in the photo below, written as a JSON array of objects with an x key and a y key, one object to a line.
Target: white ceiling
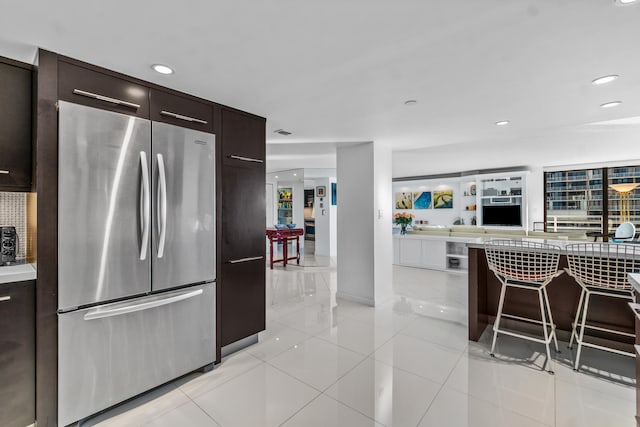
[{"x": 340, "y": 71}]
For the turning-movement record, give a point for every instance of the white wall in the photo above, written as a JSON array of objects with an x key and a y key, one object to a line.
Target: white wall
[
  {"x": 323, "y": 218},
  {"x": 364, "y": 223},
  {"x": 333, "y": 230},
  {"x": 383, "y": 241}
]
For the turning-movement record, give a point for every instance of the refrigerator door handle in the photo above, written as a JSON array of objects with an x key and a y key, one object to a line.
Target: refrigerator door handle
[
  {"x": 146, "y": 205},
  {"x": 141, "y": 306},
  {"x": 162, "y": 206}
]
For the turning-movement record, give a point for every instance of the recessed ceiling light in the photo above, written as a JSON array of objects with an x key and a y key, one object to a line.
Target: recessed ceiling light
[
  {"x": 604, "y": 79},
  {"x": 611, "y": 104},
  {"x": 276, "y": 176},
  {"x": 282, "y": 132},
  {"x": 162, "y": 69},
  {"x": 410, "y": 102},
  {"x": 295, "y": 174},
  {"x": 502, "y": 123},
  {"x": 626, "y": 1}
]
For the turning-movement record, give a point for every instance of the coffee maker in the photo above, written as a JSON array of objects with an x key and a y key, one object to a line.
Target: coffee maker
[{"x": 8, "y": 245}]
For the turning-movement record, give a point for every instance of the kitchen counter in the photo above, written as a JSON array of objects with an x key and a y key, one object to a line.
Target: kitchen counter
[
  {"x": 17, "y": 273},
  {"x": 564, "y": 293}
]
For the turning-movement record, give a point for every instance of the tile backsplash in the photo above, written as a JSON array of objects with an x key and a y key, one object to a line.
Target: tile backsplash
[{"x": 13, "y": 212}]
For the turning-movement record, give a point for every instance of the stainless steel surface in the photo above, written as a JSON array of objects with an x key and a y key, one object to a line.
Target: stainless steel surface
[
  {"x": 98, "y": 210},
  {"x": 246, "y": 159},
  {"x": 144, "y": 349},
  {"x": 181, "y": 117},
  {"x": 105, "y": 98},
  {"x": 6, "y": 298},
  {"x": 189, "y": 250},
  {"x": 4, "y": 172},
  {"x": 237, "y": 261},
  {"x": 147, "y": 304},
  {"x": 162, "y": 206},
  {"x": 145, "y": 205}
]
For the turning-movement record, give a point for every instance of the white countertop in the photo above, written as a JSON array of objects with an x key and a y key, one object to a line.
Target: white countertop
[
  {"x": 634, "y": 279},
  {"x": 17, "y": 273}
]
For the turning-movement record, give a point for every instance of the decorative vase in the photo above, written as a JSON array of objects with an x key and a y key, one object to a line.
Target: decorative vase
[{"x": 403, "y": 229}]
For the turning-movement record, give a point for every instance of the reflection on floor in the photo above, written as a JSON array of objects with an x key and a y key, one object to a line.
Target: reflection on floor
[{"x": 327, "y": 362}]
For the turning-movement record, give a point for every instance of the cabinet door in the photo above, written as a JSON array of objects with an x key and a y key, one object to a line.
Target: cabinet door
[
  {"x": 433, "y": 254},
  {"x": 242, "y": 275},
  {"x": 410, "y": 252},
  {"x": 181, "y": 111},
  {"x": 15, "y": 128},
  {"x": 243, "y": 300},
  {"x": 17, "y": 354},
  {"x": 81, "y": 85},
  {"x": 243, "y": 139}
]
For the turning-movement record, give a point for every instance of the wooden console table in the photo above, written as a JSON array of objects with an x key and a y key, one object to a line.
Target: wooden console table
[{"x": 284, "y": 236}]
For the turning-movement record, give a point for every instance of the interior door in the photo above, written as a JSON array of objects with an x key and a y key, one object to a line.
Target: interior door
[
  {"x": 183, "y": 205},
  {"x": 103, "y": 208}
]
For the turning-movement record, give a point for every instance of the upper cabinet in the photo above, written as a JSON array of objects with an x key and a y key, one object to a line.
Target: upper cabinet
[
  {"x": 15, "y": 126},
  {"x": 181, "y": 111},
  {"x": 85, "y": 86},
  {"x": 244, "y": 138}
]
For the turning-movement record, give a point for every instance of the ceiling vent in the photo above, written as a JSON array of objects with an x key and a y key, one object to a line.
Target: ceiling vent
[{"x": 282, "y": 132}]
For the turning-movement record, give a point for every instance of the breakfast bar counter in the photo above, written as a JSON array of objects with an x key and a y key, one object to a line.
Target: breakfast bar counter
[{"x": 564, "y": 292}]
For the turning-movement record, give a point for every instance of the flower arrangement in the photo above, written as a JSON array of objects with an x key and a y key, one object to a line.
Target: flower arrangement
[{"x": 403, "y": 218}]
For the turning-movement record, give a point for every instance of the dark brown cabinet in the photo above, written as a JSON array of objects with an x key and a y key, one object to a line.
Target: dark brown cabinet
[
  {"x": 242, "y": 273},
  {"x": 15, "y": 126},
  {"x": 17, "y": 354},
  {"x": 241, "y": 134},
  {"x": 181, "y": 111},
  {"x": 85, "y": 86}
]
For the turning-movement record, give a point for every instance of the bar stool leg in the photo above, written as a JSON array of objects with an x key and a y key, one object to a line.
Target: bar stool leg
[
  {"x": 575, "y": 322},
  {"x": 579, "y": 339},
  {"x": 496, "y": 325},
  {"x": 553, "y": 325},
  {"x": 547, "y": 338}
]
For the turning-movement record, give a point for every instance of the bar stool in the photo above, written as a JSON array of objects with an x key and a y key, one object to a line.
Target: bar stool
[
  {"x": 600, "y": 269},
  {"x": 525, "y": 265}
]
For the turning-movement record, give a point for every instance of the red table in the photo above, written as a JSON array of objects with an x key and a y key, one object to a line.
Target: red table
[{"x": 284, "y": 236}]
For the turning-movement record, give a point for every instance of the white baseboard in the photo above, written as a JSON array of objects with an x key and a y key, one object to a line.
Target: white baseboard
[{"x": 353, "y": 298}]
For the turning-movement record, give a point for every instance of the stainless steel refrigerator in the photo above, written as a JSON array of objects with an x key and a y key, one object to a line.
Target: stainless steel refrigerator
[{"x": 136, "y": 256}]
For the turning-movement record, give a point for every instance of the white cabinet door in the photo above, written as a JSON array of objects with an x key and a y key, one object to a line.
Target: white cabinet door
[
  {"x": 433, "y": 254},
  {"x": 410, "y": 252},
  {"x": 396, "y": 251}
]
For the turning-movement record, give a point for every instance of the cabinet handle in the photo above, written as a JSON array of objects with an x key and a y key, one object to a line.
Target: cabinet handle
[
  {"x": 246, "y": 159},
  {"x": 7, "y": 298},
  {"x": 106, "y": 98},
  {"x": 181, "y": 117},
  {"x": 237, "y": 261},
  {"x": 4, "y": 172}
]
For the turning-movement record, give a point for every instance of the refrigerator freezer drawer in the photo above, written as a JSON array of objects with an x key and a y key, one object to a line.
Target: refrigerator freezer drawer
[{"x": 110, "y": 353}]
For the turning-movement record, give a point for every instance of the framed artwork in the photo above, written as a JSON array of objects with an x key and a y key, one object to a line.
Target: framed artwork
[
  {"x": 321, "y": 191},
  {"x": 422, "y": 200},
  {"x": 443, "y": 199},
  {"x": 404, "y": 200},
  {"x": 334, "y": 195}
]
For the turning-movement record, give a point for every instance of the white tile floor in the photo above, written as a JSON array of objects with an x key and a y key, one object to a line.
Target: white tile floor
[{"x": 323, "y": 362}]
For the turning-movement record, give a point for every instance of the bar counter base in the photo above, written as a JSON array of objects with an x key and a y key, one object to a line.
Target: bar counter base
[{"x": 564, "y": 292}]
